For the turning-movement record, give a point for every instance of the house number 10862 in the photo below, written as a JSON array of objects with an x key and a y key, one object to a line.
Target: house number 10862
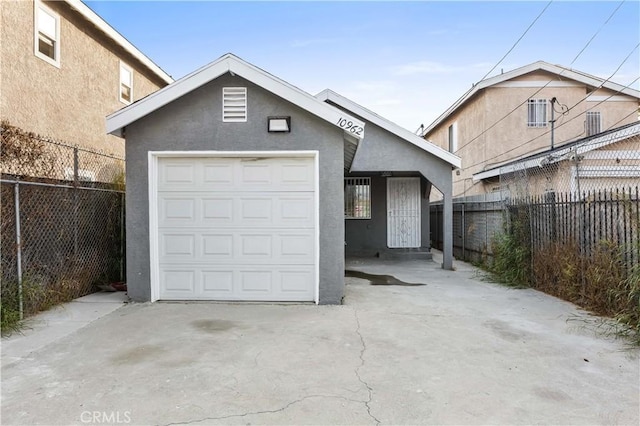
[{"x": 348, "y": 125}]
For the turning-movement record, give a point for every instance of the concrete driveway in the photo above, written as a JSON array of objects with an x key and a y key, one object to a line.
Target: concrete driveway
[{"x": 454, "y": 351}]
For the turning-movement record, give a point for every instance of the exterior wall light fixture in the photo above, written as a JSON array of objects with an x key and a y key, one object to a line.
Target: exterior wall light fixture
[{"x": 279, "y": 124}]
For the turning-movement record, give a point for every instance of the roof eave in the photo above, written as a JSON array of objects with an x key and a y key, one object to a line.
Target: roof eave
[
  {"x": 349, "y": 105},
  {"x": 539, "y": 65},
  {"x": 110, "y": 32},
  {"x": 236, "y": 66}
]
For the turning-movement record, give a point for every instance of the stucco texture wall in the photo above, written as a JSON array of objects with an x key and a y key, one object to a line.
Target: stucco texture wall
[
  {"x": 480, "y": 146},
  {"x": 194, "y": 122},
  {"x": 67, "y": 103},
  {"x": 368, "y": 237}
]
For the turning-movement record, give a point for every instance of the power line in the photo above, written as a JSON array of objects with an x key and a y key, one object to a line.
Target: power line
[
  {"x": 518, "y": 41},
  {"x": 502, "y": 59},
  {"x": 549, "y": 131},
  {"x": 549, "y": 82}
]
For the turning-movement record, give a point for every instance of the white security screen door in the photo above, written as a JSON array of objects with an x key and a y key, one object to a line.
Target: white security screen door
[
  {"x": 236, "y": 228},
  {"x": 403, "y": 212}
]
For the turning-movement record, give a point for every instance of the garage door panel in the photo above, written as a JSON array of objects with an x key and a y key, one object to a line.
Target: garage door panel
[
  {"x": 237, "y": 246},
  {"x": 217, "y": 246},
  {"x": 174, "y": 245},
  {"x": 230, "y": 175},
  {"x": 176, "y": 210},
  {"x": 286, "y": 283},
  {"x": 219, "y": 209},
  {"x": 220, "y": 174},
  {"x": 237, "y": 229},
  {"x": 178, "y": 281},
  {"x": 295, "y": 282},
  {"x": 178, "y": 173},
  {"x": 217, "y": 283}
]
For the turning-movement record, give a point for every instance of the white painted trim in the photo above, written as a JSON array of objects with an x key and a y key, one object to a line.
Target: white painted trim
[
  {"x": 36, "y": 36},
  {"x": 154, "y": 248},
  {"x": 536, "y": 84},
  {"x": 228, "y": 63},
  {"x": 613, "y": 98},
  {"x": 372, "y": 117},
  {"x": 613, "y": 155},
  {"x": 566, "y": 73},
  {"x": 127, "y": 68},
  {"x": 317, "y": 222},
  {"x": 453, "y": 143},
  {"x": 108, "y": 30}
]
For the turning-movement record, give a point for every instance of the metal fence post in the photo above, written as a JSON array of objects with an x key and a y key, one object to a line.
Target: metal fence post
[
  {"x": 16, "y": 194},
  {"x": 75, "y": 203}
]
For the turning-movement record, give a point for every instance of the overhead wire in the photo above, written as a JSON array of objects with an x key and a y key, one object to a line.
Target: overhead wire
[
  {"x": 546, "y": 84},
  {"x": 457, "y": 102},
  {"x": 549, "y": 131},
  {"x": 518, "y": 41}
]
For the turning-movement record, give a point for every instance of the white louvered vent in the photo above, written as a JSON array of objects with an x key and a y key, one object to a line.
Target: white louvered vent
[{"x": 234, "y": 104}]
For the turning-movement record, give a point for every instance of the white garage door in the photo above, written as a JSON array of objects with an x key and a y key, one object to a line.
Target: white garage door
[{"x": 236, "y": 229}]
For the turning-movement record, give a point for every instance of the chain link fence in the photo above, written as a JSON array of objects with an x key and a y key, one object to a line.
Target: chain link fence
[
  {"x": 574, "y": 214},
  {"x": 62, "y": 218}
]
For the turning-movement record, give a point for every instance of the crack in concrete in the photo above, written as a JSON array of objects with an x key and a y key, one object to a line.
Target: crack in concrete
[
  {"x": 367, "y": 403},
  {"x": 204, "y": 419}
]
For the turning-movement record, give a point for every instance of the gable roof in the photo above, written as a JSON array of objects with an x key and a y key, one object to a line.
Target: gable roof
[
  {"x": 93, "y": 18},
  {"x": 563, "y": 152},
  {"x": 582, "y": 77},
  {"x": 229, "y": 63},
  {"x": 333, "y": 97}
]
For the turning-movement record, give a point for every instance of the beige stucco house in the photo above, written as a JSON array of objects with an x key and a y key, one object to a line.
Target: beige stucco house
[
  {"x": 510, "y": 116},
  {"x": 64, "y": 69}
]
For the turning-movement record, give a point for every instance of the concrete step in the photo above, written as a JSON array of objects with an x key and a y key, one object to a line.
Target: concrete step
[{"x": 400, "y": 254}]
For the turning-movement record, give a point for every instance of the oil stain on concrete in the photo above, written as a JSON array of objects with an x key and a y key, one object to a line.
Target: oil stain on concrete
[
  {"x": 378, "y": 279},
  {"x": 138, "y": 354},
  {"x": 213, "y": 326}
]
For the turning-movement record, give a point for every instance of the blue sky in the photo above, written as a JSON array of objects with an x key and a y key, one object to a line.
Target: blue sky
[{"x": 407, "y": 61}]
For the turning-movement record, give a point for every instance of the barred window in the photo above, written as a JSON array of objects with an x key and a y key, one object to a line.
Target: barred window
[
  {"x": 593, "y": 123},
  {"x": 357, "y": 198},
  {"x": 537, "y": 113}
]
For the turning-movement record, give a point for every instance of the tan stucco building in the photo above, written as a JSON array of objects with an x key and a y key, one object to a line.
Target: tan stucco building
[
  {"x": 510, "y": 116},
  {"x": 64, "y": 69}
]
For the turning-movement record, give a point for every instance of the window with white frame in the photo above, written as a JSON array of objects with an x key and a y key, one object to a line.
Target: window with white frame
[
  {"x": 46, "y": 34},
  {"x": 537, "y": 113},
  {"x": 453, "y": 137},
  {"x": 593, "y": 123},
  {"x": 357, "y": 198},
  {"x": 126, "y": 84},
  {"x": 234, "y": 104}
]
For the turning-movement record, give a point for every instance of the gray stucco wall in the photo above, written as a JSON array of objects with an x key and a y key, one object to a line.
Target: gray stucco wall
[
  {"x": 194, "y": 122},
  {"x": 381, "y": 151},
  {"x": 367, "y": 237}
]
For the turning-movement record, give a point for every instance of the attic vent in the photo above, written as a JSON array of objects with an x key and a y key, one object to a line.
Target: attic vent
[{"x": 234, "y": 104}]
